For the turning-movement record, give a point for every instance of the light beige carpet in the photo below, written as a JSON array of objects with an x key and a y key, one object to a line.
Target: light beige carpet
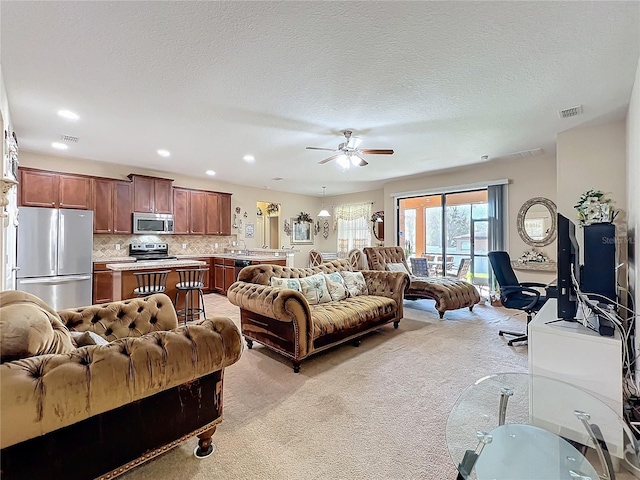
[{"x": 377, "y": 411}]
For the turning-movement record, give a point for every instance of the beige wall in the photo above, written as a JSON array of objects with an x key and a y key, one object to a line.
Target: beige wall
[
  {"x": 527, "y": 179},
  {"x": 375, "y": 197},
  {"x": 595, "y": 158},
  {"x": 244, "y": 197},
  {"x": 633, "y": 196}
]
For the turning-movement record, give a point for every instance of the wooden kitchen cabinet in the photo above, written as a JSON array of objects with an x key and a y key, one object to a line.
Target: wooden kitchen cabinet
[
  {"x": 197, "y": 212},
  {"x": 111, "y": 206},
  {"x": 103, "y": 205},
  {"x": 218, "y": 213},
  {"x": 102, "y": 284},
  {"x": 122, "y": 206},
  {"x": 229, "y": 273},
  {"x": 75, "y": 192},
  {"x": 151, "y": 194},
  {"x": 180, "y": 211},
  {"x": 189, "y": 211},
  {"x": 40, "y": 188},
  {"x": 218, "y": 275}
]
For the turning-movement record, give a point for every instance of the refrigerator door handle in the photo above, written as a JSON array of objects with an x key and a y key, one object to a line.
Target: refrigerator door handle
[
  {"x": 61, "y": 248},
  {"x": 67, "y": 279}
]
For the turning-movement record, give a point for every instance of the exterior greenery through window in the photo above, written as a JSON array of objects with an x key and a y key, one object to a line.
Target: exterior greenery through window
[
  {"x": 352, "y": 223},
  {"x": 447, "y": 229}
]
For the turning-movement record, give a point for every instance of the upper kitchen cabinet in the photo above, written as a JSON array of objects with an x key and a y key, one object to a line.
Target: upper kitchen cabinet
[
  {"x": 189, "y": 211},
  {"x": 180, "y": 211},
  {"x": 151, "y": 194},
  {"x": 40, "y": 188},
  {"x": 112, "y": 206},
  {"x": 218, "y": 213}
]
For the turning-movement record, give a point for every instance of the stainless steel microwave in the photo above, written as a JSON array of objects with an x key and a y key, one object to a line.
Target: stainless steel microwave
[{"x": 153, "y": 223}]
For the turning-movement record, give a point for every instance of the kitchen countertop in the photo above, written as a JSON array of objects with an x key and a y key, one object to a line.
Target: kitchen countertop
[{"x": 154, "y": 264}]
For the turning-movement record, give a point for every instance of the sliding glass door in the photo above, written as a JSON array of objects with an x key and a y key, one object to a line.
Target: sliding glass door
[{"x": 450, "y": 230}]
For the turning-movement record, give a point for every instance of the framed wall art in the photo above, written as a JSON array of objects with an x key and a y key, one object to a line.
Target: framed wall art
[{"x": 302, "y": 232}]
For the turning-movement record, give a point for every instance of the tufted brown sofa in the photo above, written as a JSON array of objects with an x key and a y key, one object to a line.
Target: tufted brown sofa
[
  {"x": 449, "y": 294},
  {"x": 283, "y": 320},
  {"x": 97, "y": 411}
]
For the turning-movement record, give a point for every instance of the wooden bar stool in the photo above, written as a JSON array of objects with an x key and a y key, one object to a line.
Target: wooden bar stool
[
  {"x": 151, "y": 282},
  {"x": 190, "y": 280}
]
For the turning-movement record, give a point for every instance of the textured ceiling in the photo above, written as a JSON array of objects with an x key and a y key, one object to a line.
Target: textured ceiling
[{"x": 442, "y": 83}]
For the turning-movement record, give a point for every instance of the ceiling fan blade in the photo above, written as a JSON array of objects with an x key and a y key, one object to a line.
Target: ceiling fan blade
[
  {"x": 363, "y": 162},
  {"x": 376, "y": 151},
  {"x": 354, "y": 142},
  {"x": 320, "y": 148},
  {"x": 322, "y": 162}
]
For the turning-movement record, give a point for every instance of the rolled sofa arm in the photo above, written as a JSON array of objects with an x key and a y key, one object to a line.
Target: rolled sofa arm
[
  {"x": 47, "y": 392},
  {"x": 387, "y": 284}
]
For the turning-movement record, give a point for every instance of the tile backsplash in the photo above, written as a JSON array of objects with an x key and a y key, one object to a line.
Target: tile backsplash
[{"x": 104, "y": 246}]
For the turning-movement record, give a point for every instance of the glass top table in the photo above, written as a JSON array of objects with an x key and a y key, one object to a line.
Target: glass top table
[{"x": 518, "y": 426}]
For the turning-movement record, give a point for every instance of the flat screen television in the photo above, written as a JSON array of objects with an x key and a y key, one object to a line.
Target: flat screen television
[{"x": 568, "y": 269}]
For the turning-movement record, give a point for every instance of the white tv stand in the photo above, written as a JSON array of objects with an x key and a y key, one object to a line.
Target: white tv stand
[{"x": 572, "y": 353}]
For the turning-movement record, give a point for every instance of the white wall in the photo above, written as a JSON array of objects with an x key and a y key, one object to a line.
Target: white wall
[
  {"x": 528, "y": 178},
  {"x": 245, "y": 198}
]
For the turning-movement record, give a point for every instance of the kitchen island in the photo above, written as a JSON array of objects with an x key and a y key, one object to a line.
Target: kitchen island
[{"x": 124, "y": 281}]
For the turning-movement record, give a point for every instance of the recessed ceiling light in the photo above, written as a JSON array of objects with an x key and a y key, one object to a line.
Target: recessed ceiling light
[
  {"x": 59, "y": 146},
  {"x": 249, "y": 158},
  {"x": 164, "y": 153},
  {"x": 68, "y": 114},
  {"x": 211, "y": 173}
]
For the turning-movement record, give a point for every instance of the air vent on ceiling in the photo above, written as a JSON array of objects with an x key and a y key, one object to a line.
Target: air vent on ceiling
[
  {"x": 570, "y": 112},
  {"x": 276, "y": 178},
  {"x": 70, "y": 139},
  {"x": 536, "y": 152}
]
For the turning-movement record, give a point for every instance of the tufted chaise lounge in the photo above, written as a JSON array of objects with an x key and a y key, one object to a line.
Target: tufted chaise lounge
[
  {"x": 448, "y": 293},
  {"x": 283, "y": 320},
  {"x": 99, "y": 410}
]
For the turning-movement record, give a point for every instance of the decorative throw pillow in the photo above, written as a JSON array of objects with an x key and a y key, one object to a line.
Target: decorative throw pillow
[
  {"x": 290, "y": 283},
  {"x": 314, "y": 289},
  {"x": 82, "y": 339},
  {"x": 397, "y": 267},
  {"x": 335, "y": 285},
  {"x": 355, "y": 283}
]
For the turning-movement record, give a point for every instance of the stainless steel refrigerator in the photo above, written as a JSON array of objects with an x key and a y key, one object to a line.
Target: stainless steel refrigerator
[{"x": 55, "y": 249}]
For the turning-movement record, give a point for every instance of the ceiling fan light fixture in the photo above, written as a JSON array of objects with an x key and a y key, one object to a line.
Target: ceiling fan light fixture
[
  {"x": 323, "y": 212},
  {"x": 343, "y": 161},
  {"x": 355, "y": 160}
]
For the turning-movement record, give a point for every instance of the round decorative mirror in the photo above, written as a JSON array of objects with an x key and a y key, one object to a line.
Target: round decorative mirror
[
  {"x": 378, "y": 225},
  {"x": 537, "y": 222}
]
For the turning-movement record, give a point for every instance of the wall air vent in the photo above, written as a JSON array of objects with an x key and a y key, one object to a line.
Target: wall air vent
[
  {"x": 70, "y": 138},
  {"x": 536, "y": 152},
  {"x": 570, "y": 112},
  {"x": 277, "y": 178}
]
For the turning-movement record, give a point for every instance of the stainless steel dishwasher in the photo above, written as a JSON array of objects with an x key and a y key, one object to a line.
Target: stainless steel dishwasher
[{"x": 239, "y": 265}]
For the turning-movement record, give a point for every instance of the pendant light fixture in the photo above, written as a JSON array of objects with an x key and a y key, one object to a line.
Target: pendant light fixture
[{"x": 323, "y": 212}]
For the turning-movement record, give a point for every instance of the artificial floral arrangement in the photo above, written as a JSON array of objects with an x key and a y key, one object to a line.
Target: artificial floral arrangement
[
  {"x": 303, "y": 217},
  {"x": 533, "y": 255},
  {"x": 593, "y": 207},
  {"x": 272, "y": 208}
]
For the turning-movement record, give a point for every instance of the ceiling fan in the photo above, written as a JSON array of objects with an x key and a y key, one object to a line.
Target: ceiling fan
[{"x": 348, "y": 152}]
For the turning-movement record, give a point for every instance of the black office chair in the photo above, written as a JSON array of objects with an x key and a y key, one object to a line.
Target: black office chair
[{"x": 516, "y": 295}]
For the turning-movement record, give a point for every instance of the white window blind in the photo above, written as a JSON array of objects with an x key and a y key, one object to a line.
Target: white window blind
[{"x": 352, "y": 222}]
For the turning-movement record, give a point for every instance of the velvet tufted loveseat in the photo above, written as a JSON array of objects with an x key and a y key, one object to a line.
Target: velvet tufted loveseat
[
  {"x": 99, "y": 410},
  {"x": 449, "y": 294},
  {"x": 283, "y": 320}
]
